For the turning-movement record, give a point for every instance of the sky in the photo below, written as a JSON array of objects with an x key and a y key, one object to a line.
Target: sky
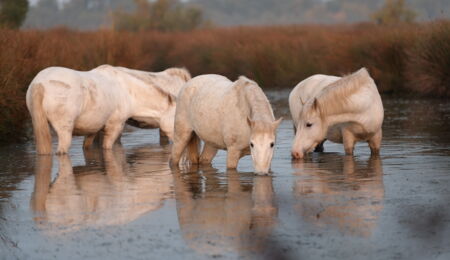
[{"x": 246, "y": 12}]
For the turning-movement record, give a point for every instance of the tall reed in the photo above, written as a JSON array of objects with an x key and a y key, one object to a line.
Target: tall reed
[
  {"x": 402, "y": 59},
  {"x": 428, "y": 67}
]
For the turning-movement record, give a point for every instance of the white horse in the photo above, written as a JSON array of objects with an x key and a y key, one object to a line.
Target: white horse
[
  {"x": 85, "y": 102},
  {"x": 343, "y": 110},
  {"x": 227, "y": 115},
  {"x": 170, "y": 80}
]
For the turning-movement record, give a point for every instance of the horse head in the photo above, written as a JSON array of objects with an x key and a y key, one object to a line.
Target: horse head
[
  {"x": 262, "y": 142},
  {"x": 311, "y": 129}
]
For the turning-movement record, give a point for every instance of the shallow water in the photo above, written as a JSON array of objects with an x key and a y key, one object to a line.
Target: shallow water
[{"x": 128, "y": 204}]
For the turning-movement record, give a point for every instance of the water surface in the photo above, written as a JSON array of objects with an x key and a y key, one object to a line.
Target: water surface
[{"x": 128, "y": 204}]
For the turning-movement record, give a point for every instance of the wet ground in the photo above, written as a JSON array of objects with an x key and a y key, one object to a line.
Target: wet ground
[{"x": 128, "y": 204}]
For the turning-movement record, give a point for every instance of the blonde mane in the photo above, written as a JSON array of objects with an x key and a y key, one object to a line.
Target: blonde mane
[
  {"x": 335, "y": 98},
  {"x": 255, "y": 99},
  {"x": 179, "y": 72},
  {"x": 148, "y": 78}
]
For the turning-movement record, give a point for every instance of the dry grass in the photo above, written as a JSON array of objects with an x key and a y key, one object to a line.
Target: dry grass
[
  {"x": 428, "y": 67},
  {"x": 402, "y": 59}
]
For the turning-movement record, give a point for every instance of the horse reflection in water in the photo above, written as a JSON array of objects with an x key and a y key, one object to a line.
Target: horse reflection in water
[
  {"x": 218, "y": 215},
  {"x": 341, "y": 193},
  {"x": 96, "y": 195}
]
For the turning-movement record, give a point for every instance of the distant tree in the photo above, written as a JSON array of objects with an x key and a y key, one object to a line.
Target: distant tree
[
  {"x": 78, "y": 14},
  {"x": 94, "y": 14},
  {"x": 13, "y": 13},
  {"x": 161, "y": 15},
  {"x": 394, "y": 12}
]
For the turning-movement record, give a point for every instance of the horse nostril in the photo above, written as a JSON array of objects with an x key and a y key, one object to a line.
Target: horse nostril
[{"x": 295, "y": 155}]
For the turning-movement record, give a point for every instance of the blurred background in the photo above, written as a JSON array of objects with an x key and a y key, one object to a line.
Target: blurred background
[
  {"x": 405, "y": 44},
  {"x": 95, "y": 14}
]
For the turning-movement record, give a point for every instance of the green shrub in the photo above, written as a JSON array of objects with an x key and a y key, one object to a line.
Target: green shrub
[
  {"x": 13, "y": 13},
  {"x": 161, "y": 15}
]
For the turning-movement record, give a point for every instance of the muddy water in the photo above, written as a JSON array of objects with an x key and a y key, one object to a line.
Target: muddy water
[{"x": 128, "y": 204}]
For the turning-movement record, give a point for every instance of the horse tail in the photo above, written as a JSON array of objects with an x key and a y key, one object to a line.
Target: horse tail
[
  {"x": 41, "y": 128},
  {"x": 193, "y": 149},
  {"x": 42, "y": 179}
]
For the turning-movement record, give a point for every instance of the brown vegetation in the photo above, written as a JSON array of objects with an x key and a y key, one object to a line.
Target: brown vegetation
[
  {"x": 428, "y": 67},
  {"x": 402, "y": 59}
]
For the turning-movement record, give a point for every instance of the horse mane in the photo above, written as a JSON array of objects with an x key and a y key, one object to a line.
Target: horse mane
[
  {"x": 104, "y": 66},
  {"x": 254, "y": 98},
  {"x": 182, "y": 73},
  {"x": 148, "y": 79},
  {"x": 335, "y": 98}
]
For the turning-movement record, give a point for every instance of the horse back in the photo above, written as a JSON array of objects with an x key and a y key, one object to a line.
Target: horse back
[
  {"x": 85, "y": 98},
  {"x": 205, "y": 103},
  {"x": 205, "y": 89}
]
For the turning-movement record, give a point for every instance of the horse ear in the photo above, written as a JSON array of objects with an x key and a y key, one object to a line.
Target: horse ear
[
  {"x": 171, "y": 99},
  {"x": 186, "y": 74},
  {"x": 182, "y": 73},
  {"x": 315, "y": 104},
  {"x": 250, "y": 122},
  {"x": 301, "y": 100},
  {"x": 277, "y": 123}
]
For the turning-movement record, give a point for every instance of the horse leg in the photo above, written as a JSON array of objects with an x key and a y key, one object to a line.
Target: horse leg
[
  {"x": 163, "y": 138},
  {"x": 208, "y": 154},
  {"x": 64, "y": 132},
  {"x": 375, "y": 143},
  {"x": 98, "y": 139},
  {"x": 193, "y": 149},
  {"x": 113, "y": 128},
  {"x": 180, "y": 142},
  {"x": 119, "y": 137},
  {"x": 245, "y": 152},
  {"x": 88, "y": 141},
  {"x": 349, "y": 141},
  {"x": 233, "y": 156}
]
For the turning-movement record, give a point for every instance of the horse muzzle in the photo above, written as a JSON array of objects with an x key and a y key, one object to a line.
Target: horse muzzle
[
  {"x": 261, "y": 169},
  {"x": 297, "y": 154}
]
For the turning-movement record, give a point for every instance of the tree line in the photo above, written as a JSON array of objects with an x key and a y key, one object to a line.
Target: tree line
[{"x": 170, "y": 15}]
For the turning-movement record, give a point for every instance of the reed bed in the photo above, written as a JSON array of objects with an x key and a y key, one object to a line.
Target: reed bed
[{"x": 404, "y": 60}]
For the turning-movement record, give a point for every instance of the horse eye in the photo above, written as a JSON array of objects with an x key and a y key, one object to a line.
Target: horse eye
[
  {"x": 251, "y": 145},
  {"x": 308, "y": 124},
  {"x": 271, "y": 145}
]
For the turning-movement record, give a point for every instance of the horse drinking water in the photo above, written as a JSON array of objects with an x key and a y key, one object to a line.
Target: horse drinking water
[
  {"x": 170, "y": 80},
  {"x": 85, "y": 102},
  {"x": 235, "y": 116},
  {"x": 343, "y": 110}
]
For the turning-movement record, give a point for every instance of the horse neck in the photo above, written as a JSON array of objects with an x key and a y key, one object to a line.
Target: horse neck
[
  {"x": 339, "y": 118},
  {"x": 340, "y": 101},
  {"x": 141, "y": 107},
  {"x": 257, "y": 103}
]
